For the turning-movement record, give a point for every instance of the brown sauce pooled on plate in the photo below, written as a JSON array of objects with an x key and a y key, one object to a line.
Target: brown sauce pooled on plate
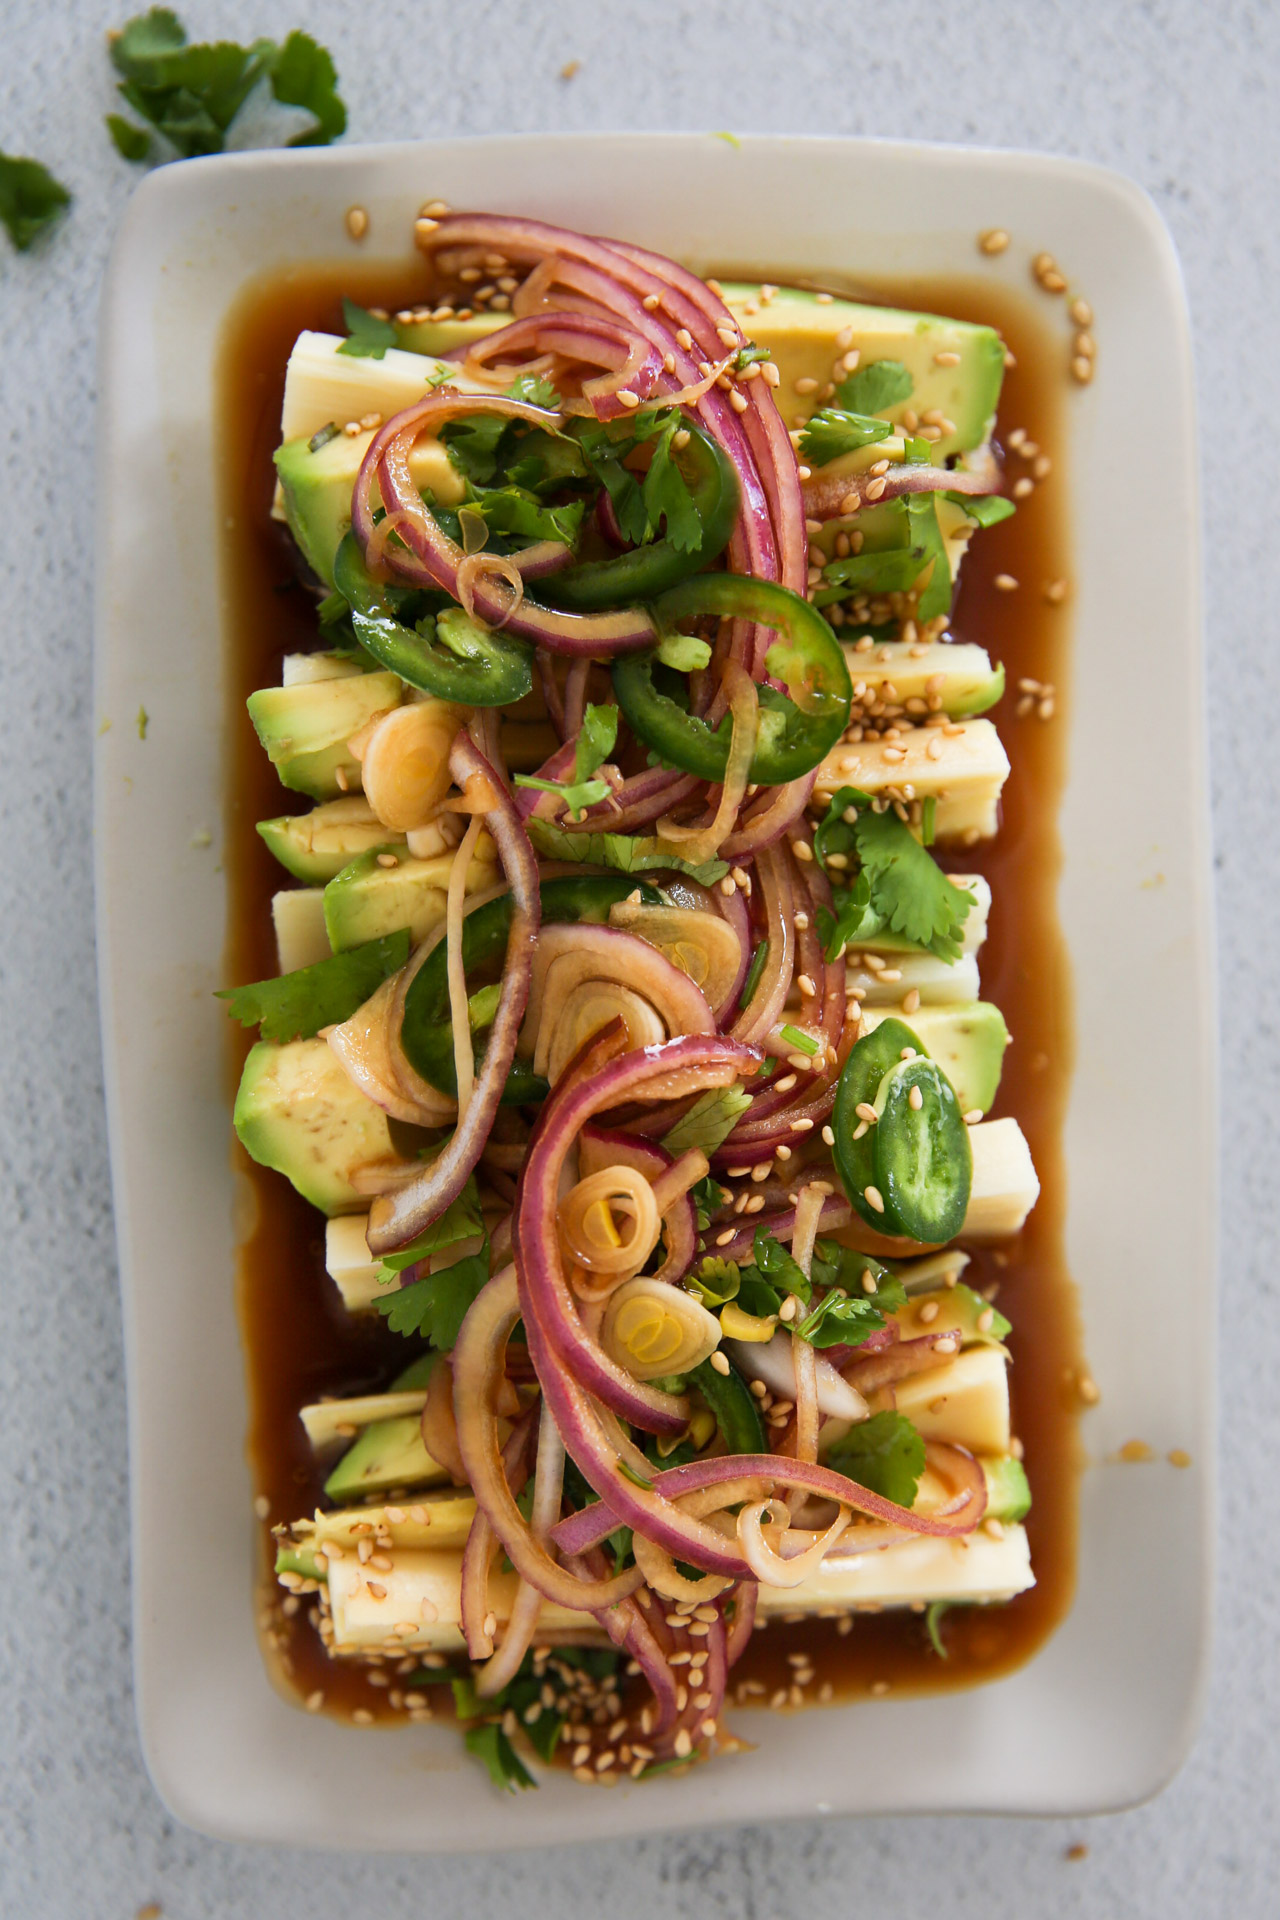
[{"x": 300, "y": 1345}]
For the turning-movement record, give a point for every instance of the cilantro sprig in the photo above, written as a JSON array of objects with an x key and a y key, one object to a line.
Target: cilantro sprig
[
  {"x": 709, "y": 1121},
  {"x": 899, "y": 882},
  {"x": 30, "y": 199},
  {"x": 367, "y": 337},
  {"x": 658, "y": 500},
  {"x": 296, "y": 1005},
  {"x": 435, "y": 1305},
  {"x": 884, "y": 1454},
  {"x": 875, "y": 387},
  {"x": 833, "y": 431},
  {"x": 191, "y": 95},
  {"x": 597, "y": 737}
]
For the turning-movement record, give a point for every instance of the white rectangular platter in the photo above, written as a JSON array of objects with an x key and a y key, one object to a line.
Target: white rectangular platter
[{"x": 1105, "y": 1713}]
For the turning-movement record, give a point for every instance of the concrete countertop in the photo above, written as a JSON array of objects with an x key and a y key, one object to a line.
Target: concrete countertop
[{"x": 1179, "y": 96}]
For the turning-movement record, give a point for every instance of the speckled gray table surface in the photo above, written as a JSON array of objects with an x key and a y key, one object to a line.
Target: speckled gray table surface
[{"x": 1181, "y": 97}]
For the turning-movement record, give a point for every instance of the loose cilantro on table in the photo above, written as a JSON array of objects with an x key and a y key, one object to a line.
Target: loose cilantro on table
[
  {"x": 833, "y": 431},
  {"x": 709, "y": 1121},
  {"x": 192, "y": 95},
  {"x": 884, "y": 1454},
  {"x": 905, "y": 887},
  {"x": 597, "y": 737},
  {"x": 296, "y": 1005},
  {"x": 873, "y": 388},
  {"x": 30, "y": 199},
  {"x": 367, "y": 337}
]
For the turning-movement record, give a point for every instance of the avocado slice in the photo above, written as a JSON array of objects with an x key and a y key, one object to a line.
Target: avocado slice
[
  {"x": 305, "y": 728},
  {"x": 801, "y": 332},
  {"x": 959, "y": 674},
  {"x": 298, "y": 1111},
  {"x": 316, "y": 846},
  {"x": 1008, "y": 1492},
  {"x": 967, "y": 1041},
  {"x": 411, "y": 894},
  {"x": 388, "y": 1454},
  {"x": 317, "y": 481}
]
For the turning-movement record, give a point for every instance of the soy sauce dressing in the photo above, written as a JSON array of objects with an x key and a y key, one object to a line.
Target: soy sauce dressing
[{"x": 301, "y": 1345}]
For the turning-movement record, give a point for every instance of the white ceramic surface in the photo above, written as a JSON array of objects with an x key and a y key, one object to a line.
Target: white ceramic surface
[{"x": 1105, "y": 1713}]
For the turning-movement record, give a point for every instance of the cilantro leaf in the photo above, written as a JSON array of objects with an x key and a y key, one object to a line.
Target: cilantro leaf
[
  {"x": 778, "y": 1265},
  {"x": 192, "y": 95},
  {"x": 854, "y": 921},
  {"x": 837, "y": 1266},
  {"x": 833, "y": 431},
  {"x": 536, "y": 389},
  {"x": 437, "y": 1305},
  {"x": 925, "y": 536},
  {"x": 884, "y": 1454},
  {"x": 303, "y": 75},
  {"x": 625, "y": 852},
  {"x": 988, "y": 509},
  {"x": 577, "y": 795},
  {"x": 367, "y": 338},
  {"x": 667, "y": 499},
  {"x": 841, "y": 1319},
  {"x": 707, "y": 1196},
  {"x": 496, "y": 1754},
  {"x": 909, "y": 887},
  {"x": 597, "y": 737},
  {"x": 296, "y": 1005},
  {"x": 875, "y": 387},
  {"x": 906, "y": 888},
  {"x": 513, "y": 510},
  {"x": 461, "y": 1220},
  {"x": 709, "y": 1121},
  {"x": 130, "y": 142},
  {"x": 30, "y": 199}
]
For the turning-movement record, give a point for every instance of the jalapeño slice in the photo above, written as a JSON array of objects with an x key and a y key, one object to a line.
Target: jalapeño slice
[
  {"x": 854, "y": 1150},
  {"x": 921, "y": 1155}
]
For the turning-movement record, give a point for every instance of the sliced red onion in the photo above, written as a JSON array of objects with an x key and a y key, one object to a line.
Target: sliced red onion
[
  {"x": 546, "y": 1296},
  {"x": 609, "y": 1146},
  {"x": 836, "y": 1213},
  {"x": 595, "y": 1523},
  {"x": 395, "y": 1219},
  {"x": 477, "y": 1367},
  {"x": 732, "y": 906},
  {"x": 761, "y": 1012},
  {"x": 434, "y": 559},
  {"x": 900, "y": 1361},
  {"x": 482, "y": 1544},
  {"x": 765, "y": 823},
  {"x": 548, "y": 1489},
  {"x": 632, "y": 364},
  {"x": 745, "y": 1597},
  {"x": 825, "y": 494}
]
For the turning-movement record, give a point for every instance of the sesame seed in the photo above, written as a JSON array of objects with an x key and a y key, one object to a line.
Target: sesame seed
[
  {"x": 1005, "y": 583},
  {"x": 802, "y": 1126},
  {"x": 490, "y": 1625},
  {"x": 628, "y": 398},
  {"x": 1178, "y": 1457},
  {"x": 1082, "y": 370},
  {"x": 738, "y": 401},
  {"x": 872, "y": 1197},
  {"x": 718, "y": 1360},
  {"x": 806, "y": 384},
  {"x": 315, "y": 1700},
  {"x": 973, "y": 1116},
  {"x": 1087, "y": 1387},
  {"x": 755, "y": 1205},
  {"x": 915, "y": 1099},
  {"x": 994, "y": 240},
  {"x": 786, "y": 1083},
  {"x": 880, "y": 1687}
]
